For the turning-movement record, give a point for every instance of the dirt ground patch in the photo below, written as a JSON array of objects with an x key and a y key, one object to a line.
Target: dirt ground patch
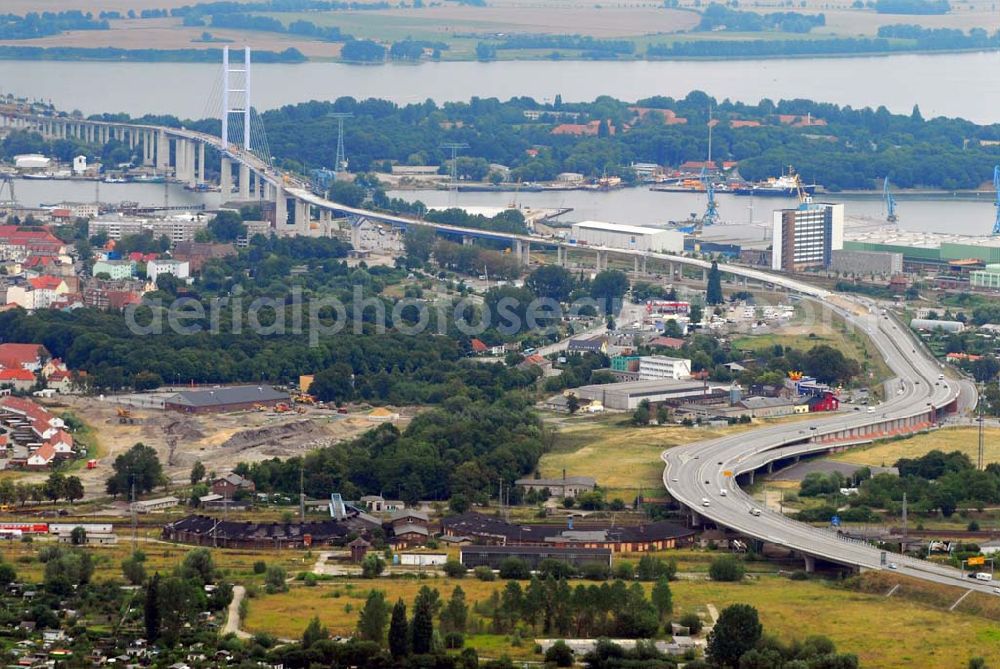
[{"x": 220, "y": 441}]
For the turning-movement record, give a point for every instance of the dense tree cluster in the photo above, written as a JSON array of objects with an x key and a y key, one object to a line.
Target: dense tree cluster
[
  {"x": 363, "y": 51},
  {"x": 33, "y": 25},
  {"x": 864, "y": 145},
  {"x": 721, "y": 17},
  {"x": 936, "y": 481},
  {"x": 772, "y": 365},
  {"x": 462, "y": 448}
]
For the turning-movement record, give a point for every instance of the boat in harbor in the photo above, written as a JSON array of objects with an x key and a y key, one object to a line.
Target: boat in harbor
[
  {"x": 149, "y": 179},
  {"x": 787, "y": 185}
]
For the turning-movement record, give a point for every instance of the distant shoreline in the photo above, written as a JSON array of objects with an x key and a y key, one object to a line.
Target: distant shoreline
[{"x": 294, "y": 57}]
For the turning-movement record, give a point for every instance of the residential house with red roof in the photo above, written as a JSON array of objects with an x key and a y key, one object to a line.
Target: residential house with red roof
[
  {"x": 19, "y": 243},
  {"x": 20, "y": 380},
  {"x": 51, "y": 366},
  {"x": 23, "y": 356},
  {"x": 47, "y": 290},
  {"x": 42, "y": 457},
  {"x": 61, "y": 381},
  {"x": 669, "y": 116},
  {"x": 62, "y": 444},
  {"x": 800, "y": 121}
]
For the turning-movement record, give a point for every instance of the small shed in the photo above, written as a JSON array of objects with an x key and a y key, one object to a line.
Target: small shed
[{"x": 359, "y": 548}]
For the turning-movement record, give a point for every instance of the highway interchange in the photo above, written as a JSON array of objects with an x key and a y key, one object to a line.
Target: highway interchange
[{"x": 697, "y": 472}]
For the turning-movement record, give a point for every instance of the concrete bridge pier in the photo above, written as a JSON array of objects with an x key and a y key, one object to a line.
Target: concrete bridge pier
[
  {"x": 560, "y": 256},
  {"x": 355, "y": 223},
  {"x": 147, "y": 148},
  {"x": 301, "y": 214},
  {"x": 525, "y": 257},
  {"x": 179, "y": 160},
  {"x": 602, "y": 260},
  {"x": 326, "y": 222},
  {"x": 162, "y": 151},
  {"x": 644, "y": 259},
  {"x": 280, "y": 210},
  {"x": 244, "y": 182},
  {"x": 810, "y": 562},
  {"x": 201, "y": 163},
  {"x": 226, "y": 178},
  {"x": 190, "y": 170},
  {"x": 466, "y": 240}
]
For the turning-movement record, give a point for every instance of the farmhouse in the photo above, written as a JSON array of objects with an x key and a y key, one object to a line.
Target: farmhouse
[{"x": 227, "y": 486}]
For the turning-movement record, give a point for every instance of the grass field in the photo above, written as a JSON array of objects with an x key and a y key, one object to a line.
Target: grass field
[
  {"x": 236, "y": 564},
  {"x": 621, "y": 457},
  {"x": 883, "y": 633},
  {"x": 964, "y": 439}
]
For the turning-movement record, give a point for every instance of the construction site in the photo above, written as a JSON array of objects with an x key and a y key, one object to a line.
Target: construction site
[{"x": 219, "y": 439}]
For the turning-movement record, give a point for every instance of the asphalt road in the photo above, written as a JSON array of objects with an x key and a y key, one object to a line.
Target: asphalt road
[{"x": 694, "y": 474}]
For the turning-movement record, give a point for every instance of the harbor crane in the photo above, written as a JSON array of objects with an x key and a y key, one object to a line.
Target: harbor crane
[
  {"x": 890, "y": 202},
  {"x": 711, "y": 216},
  {"x": 996, "y": 187}
]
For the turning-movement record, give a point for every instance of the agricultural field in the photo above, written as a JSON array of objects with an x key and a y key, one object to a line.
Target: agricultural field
[{"x": 461, "y": 26}]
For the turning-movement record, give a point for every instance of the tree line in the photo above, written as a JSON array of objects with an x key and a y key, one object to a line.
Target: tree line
[
  {"x": 290, "y": 55},
  {"x": 45, "y": 24},
  {"x": 863, "y": 146},
  {"x": 937, "y": 481},
  {"x": 461, "y": 449}
]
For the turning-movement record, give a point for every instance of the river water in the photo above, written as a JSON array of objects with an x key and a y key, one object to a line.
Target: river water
[
  {"x": 964, "y": 85},
  {"x": 636, "y": 206},
  {"x": 641, "y": 206}
]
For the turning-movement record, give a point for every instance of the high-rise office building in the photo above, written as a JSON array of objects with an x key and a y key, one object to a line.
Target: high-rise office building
[{"x": 805, "y": 237}]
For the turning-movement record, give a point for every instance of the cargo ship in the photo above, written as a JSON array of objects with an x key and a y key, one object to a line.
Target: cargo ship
[{"x": 787, "y": 185}]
